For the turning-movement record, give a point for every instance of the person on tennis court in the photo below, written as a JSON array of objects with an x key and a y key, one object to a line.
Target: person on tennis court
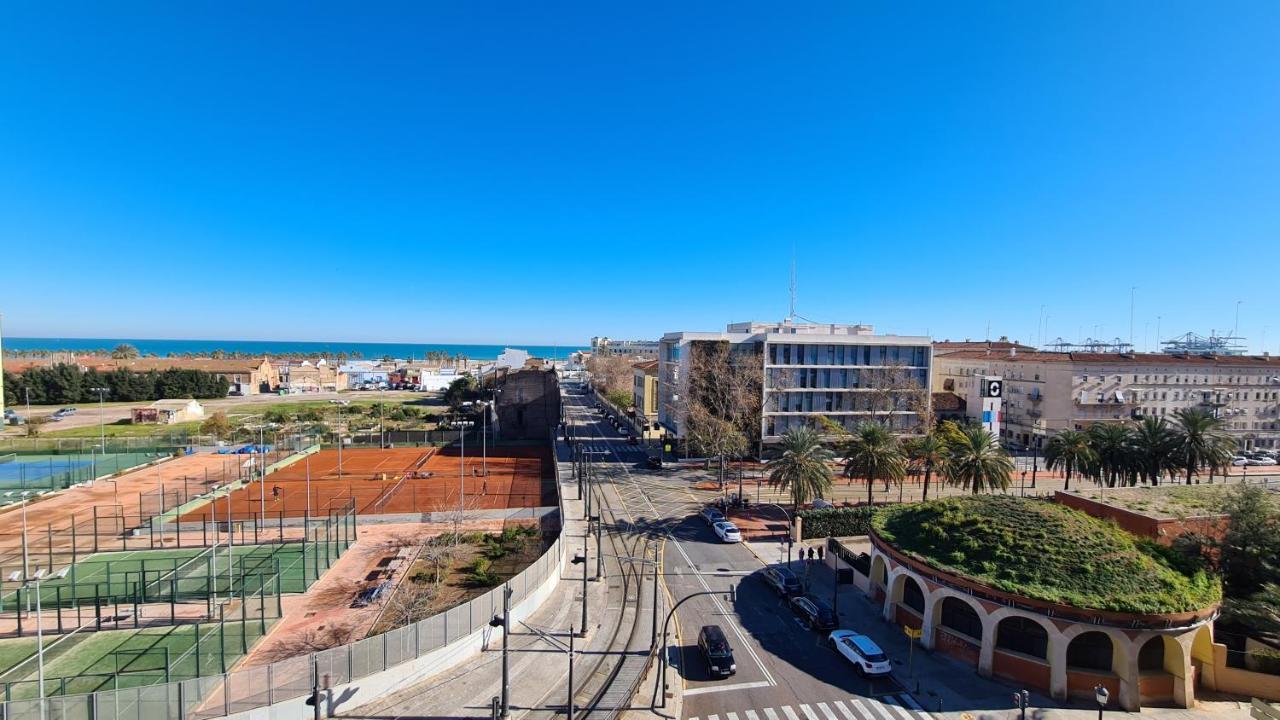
[{"x": 275, "y": 492}]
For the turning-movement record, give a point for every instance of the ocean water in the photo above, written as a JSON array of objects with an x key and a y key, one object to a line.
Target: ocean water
[{"x": 400, "y": 351}]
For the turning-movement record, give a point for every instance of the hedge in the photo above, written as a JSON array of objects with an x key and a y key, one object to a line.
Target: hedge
[{"x": 836, "y": 522}]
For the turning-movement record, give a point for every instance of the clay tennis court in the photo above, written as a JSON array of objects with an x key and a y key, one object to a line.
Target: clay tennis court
[{"x": 393, "y": 481}]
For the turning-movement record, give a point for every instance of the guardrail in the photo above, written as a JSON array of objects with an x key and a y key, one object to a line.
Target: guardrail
[{"x": 352, "y": 674}]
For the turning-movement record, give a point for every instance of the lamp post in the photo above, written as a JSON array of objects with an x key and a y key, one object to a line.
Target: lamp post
[
  {"x": 462, "y": 466},
  {"x": 504, "y": 621},
  {"x": 102, "y": 428},
  {"x": 1022, "y": 489},
  {"x": 790, "y": 540},
  {"x": 1101, "y": 695},
  {"x": 581, "y": 559},
  {"x": 27, "y": 581}
]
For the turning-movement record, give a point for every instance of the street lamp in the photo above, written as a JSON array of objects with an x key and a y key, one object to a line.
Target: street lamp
[
  {"x": 102, "y": 428},
  {"x": 27, "y": 580},
  {"x": 504, "y": 621},
  {"x": 462, "y": 466},
  {"x": 1101, "y": 695},
  {"x": 790, "y": 540},
  {"x": 581, "y": 559}
]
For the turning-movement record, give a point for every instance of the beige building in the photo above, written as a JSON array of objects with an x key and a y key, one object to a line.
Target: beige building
[
  {"x": 302, "y": 376},
  {"x": 168, "y": 412},
  {"x": 645, "y": 394},
  {"x": 1048, "y": 392}
]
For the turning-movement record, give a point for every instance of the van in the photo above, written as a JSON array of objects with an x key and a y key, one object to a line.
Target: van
[{"x": 715, "y": 648}]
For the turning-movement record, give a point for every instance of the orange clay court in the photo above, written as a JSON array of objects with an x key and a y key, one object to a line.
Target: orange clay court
[{"x": 392, "y": 481}]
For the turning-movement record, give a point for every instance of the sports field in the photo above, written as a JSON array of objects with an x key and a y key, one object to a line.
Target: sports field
[
  {"x": 18, "y": 472},
  {"x": 397, "y": 480},
  {"x": 90, "y": 661}
]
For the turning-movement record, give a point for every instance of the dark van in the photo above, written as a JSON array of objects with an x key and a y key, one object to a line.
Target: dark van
[{"x": 715, "y": 648}]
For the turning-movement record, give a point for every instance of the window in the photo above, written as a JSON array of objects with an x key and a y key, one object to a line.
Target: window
[
  {"x": 959, "y": 616},
  {"x": 1022, "y": 635}
]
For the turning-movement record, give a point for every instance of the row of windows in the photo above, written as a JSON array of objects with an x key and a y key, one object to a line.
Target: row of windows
[
  {"x": 1183, "y": 379},
  {"x": 897, "y": 378},
  {"x": 775, "y": 425},
  {"x": 860, "y": 401},
  {"x": 806, "y": 354}
]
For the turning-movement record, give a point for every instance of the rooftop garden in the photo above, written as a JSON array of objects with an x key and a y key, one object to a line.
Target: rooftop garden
[
  {"x": 1169, "y": 501},
  {"x": 1047, "y": 552}
]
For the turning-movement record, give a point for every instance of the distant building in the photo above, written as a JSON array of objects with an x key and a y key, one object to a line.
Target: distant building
[
  {"x": 429, "y": 377},
  {"x": 625, "y": 348},
  {"x": 512, "y": 359},
  {"x": 168, "y": 412},
  {"x": 303, "y": 376},
  {"x": 645, "y": 395},
  {"x": 845, "y": 373},
  {"x": 1046, "y": 392},
  {"x": 946, "y": 347},
  {"x": 365, "y": 373}
]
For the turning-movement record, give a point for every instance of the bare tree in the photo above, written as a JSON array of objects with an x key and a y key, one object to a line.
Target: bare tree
[
  {"x": 412, "y": 601},
  {"x": 611, "y": 373},
  {"x": 897, "y": 388},
  {"x": 440, "y": 558},
  {"x": 721, "y": 396}
]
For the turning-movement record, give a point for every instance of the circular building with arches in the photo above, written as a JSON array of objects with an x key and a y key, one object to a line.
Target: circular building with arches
[{"x": 1046, "y": 597}]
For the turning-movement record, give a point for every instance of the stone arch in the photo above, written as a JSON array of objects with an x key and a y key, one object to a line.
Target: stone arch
[
  {"x": 1093, "y": 651},
  {"x": 1024, "y": 635},
  {"x": 878, "y": 582},
  {"x": 1202, "y": 646},
  {"x": 1151, "y": 654},
  {"x": 950, "y": 603}
]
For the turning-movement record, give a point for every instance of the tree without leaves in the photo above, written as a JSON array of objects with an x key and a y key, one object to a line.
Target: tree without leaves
[
  {"x": 873, "y": 453},
  {"x": 721, "y": 399},
  {"x": 802, "y": 468},
  {"x": 977, "y": 462}
]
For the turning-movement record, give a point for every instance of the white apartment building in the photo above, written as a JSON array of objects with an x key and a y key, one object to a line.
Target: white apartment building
[
  {"x": 1048, "y": 392},
  {"x": 647, "y": 349},
  {"x": 843, "y": 372}
]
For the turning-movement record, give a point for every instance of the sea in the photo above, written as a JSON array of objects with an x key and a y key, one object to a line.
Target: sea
[{"x": 399, "y": 351}]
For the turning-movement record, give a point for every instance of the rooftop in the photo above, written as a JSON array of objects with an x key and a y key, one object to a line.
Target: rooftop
[
  {"x": 1046, "y": 552},
  {"x": 1134, "y": 359},
  {"x": 1170, "y": 502}
]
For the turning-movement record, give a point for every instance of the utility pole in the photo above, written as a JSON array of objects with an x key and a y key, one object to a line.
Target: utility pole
[{"x": 582, "y": 560}]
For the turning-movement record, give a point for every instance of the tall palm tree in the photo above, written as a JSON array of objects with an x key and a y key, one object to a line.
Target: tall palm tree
[
  {"x": 927, "y": 452},
  {"x": 1113, "y": 446},
  {"x": 976, "y": 462},
  {"x": 875, "y": 454},
  {"x": 802, "y": 467},
  {"x": 1153, "y": 444},
  {"x": 1202, "y": 441},
  {"x": 1070, "y": 451}
]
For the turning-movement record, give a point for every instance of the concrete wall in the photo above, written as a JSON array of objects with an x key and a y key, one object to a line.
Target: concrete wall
[{"x": 1163, "y": 530}]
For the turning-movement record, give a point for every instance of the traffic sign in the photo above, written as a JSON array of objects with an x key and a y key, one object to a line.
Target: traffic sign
[{"x": 912, "y": 633}]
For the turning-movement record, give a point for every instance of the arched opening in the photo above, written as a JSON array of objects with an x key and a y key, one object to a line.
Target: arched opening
[
  {"x": 879, "y": 578},
  {"x": 912, "y": 594},
  {"x": 959, "y": 616},
  {"x": 1023, "y": 635},
  {"x": 1151, "y": 655},
  {"x": 1090, "y": 651}
]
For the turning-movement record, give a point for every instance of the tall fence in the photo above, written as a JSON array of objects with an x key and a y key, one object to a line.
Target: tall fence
[{"x": 264, "y": 685}]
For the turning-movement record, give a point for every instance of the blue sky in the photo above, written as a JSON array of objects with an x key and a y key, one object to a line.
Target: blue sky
[{"x": 542, "y": 172}]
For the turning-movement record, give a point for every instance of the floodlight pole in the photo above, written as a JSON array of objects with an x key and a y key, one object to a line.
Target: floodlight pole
[{"x": 102, "y": 428}]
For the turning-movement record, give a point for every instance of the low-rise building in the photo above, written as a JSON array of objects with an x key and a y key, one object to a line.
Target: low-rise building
[
  {"x": 625, "y": 348},
  {"x": 365, "y": 373},
  {"x": 303, "y": 376},
  {"x": 644, "y": 394},
  {"x": 1046, "y": 392},
  {"x": 168, "y": 412}
]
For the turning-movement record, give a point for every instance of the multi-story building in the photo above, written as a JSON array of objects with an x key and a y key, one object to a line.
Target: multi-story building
[
  {"x": 845, "y": 373},
  {"x": 625, "y": 348},
  {"x": 644, "y": 394},
  {"x": 1047, "y": 392},
  {"x": 303, "y": 376}
]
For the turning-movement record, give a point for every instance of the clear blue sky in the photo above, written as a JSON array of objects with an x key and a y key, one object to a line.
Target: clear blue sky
[{"x": 542, "y": 172}]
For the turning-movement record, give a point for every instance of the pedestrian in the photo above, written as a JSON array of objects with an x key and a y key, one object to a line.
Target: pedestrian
[
  {"x": 819, "y": 553},
  {"x": 811, "y": 554}
]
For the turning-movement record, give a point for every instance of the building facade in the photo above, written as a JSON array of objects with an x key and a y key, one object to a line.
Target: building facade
[
  {"x": 625, "y": 348},
  {"x": 644, "y": 395},
  {"x": 845, "y": 373},
  {"x": 1048, "y": 392}
]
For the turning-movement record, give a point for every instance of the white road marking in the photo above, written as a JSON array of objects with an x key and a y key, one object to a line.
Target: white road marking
[
  {"x": 791, "y": 714},
  {"x": 911, "y": 702},
  {"x": 808, "y": 712},
  {"x": 845, "y": 711},
  {"x": 862, "y": 709},
  {"x": 713, "y": 717},
  {"x": 707, "y": 690},
  {"x": 731, "y": 716},
  {"x": 892, "y": 703},
  {"x": 751, "y": 715},
  {"x": 770, "y": 714},
  {"x": 826, "y": 711}
]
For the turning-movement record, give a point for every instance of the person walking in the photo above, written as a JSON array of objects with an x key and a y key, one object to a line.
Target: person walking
[
  {"x": 811, "y": 554},
  {"x": 819, "y": 553}
]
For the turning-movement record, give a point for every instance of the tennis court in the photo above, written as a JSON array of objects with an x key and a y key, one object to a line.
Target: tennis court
[
  {"x": 19, "y": 472},
  {"x": 392, "y": 481}
]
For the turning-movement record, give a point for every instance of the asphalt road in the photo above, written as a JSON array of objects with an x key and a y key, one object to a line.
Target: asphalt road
[{"x": 784, "y": 671}]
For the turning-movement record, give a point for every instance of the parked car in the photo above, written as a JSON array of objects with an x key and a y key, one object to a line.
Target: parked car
[
  {"x": 783, "y": 581},
  {"x": 67, "y": 411},
  {"x": 715, "y": 649},
  {"x": 813, "y": 613},
  {"x": 727, "y": 532},
  {"x": 653, "y": 463},
  {"x": 13, "y": 418},
  {"x": 861, "y": 651},
  {"x": 1239, "y": 461},
  {"x": 820, "y": 504},
  {"x": 1266, "y": 461},
  {"x": 711, "y": 515}
]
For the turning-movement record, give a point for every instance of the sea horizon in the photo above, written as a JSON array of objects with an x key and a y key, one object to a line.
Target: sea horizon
[{"x": 367, "y": 350}]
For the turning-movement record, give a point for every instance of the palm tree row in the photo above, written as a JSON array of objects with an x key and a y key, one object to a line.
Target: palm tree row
[
  {"x": 1143, "y": 452},
  {"x": 968, "y": 457}
]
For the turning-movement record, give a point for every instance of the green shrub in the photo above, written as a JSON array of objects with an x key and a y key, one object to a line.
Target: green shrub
[
  {"x": 482, "y": 574},
  {"x": 835, "y": 522}
]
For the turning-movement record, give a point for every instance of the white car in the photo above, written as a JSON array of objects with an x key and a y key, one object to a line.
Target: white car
[
  {"x": 1262, "y": 461},
  {"x": 867, "y": 657},
  {"x": 1239, "y": 461},
  {"x": 728, "y": 532}
]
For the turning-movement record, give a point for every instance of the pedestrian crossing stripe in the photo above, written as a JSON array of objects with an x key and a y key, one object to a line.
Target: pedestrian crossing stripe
[{"x": 889, "y": 707}]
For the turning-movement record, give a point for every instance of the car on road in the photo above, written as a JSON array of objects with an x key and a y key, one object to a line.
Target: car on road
[
  {"x": 1239, "y": 461},
  {"x": 727, "y": 532},
  {"x": 820, "y": 504},
  {"x": 715, "y": 649},
  {"x": 813, "y": 613},
  {"x": 711, "y": 515},
  {"x": 783, "y": 581},
  {"x": 13, "y": 418},
  {"x": 862, "y": 652},
  {"x": 653, "y": 463}
]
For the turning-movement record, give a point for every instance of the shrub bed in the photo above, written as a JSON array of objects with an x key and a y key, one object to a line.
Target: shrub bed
[{"x": 835, "y": 522}]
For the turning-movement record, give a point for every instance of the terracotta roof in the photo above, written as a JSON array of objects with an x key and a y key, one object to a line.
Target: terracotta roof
[
  {"x": 1260, "y": 361},
  {"x": 948, "y": 402},
  {"x": 229, "y": 365},
  {"x": 646, "y": 365},
  {"x": 980, "y": 345}
]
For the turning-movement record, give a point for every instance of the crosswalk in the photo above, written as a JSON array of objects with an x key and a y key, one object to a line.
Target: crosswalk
[{"x": 889, "y": 707}]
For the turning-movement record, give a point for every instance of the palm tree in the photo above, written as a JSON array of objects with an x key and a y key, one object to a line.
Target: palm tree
[
  {"x": 1069, "y": 450},
  {"x": 927, "y": 452},
  {"x": 1153, "y": 442},
  {"x": 802, "y": 467},
  {"x": 1201, "y": 441},
  {"x": 976, "y": 461},
  {"x": 874, "y": 453},
  {"x": 1113, "y": 447}
]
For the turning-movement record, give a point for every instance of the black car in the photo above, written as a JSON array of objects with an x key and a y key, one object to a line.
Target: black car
[
  {"x": 813, "y": 613},
  {"x": 715, "y": 648},
  {"x": 653, "y": 463},
  {"x": 783, "y": 581},
  {"x": 711, "y": 515}
]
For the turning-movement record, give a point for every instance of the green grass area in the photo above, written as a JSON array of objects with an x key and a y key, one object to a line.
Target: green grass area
[
  {"x": 15, "y": 650},
  {"x": 88, "y": 661},
  {"x": 1171, "y": 501},
  {"x": 122, "y": 428},
  {"x": 154, "y": 575},
  {"x": 1045, "y": 551}
]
